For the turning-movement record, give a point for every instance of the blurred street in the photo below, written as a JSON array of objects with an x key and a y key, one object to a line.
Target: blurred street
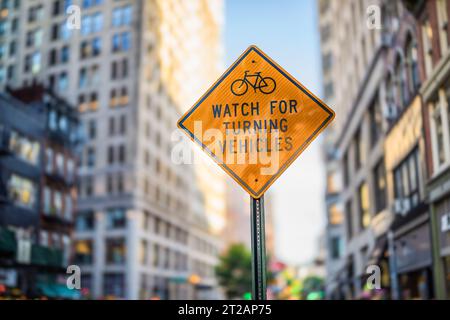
[{"x": 102, "y": 196}]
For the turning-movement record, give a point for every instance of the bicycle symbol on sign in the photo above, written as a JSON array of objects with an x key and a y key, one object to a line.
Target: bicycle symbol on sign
[{"x": 266, "y": 85}]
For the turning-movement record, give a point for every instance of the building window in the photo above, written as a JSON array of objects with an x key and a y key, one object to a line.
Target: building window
[
  {"x": 93, "y": 103},
  {"x": 360, "y": 150},
  {"x": 110, "y": 155},
  {"x": 92, "y": 129},
  {"x": 91, "y": 23},
  {"x": 123, "y": 124},
  {"x": 437, "y": 124},
  {"x": 63, "y": 82},
  {"x": 124, "y": 68},
  {"x": 406, "y": 184},
  {"x": 115, "y": 251},
  {"x": 116, "y": 218},
  {"x": 68, "y": 207},
  {"x": 114, "y": 285},
  {"x": 376, "y": 121},
  {"x": 412, "y": 66},
  {"x": 44, "y": 238},
  {"x": 122, "y": 16},
  {"x": 65, "y": 54},
  {"x": 90, "y": 157},
  {"x": 22, "y": 191},
  {"x": 112, "y": 126},
  {"x": 33, "y": 62},
  {"x": 143, "y": 252},
  {"x": 122, "y": 154},
  {"x": 89, "y": 186},
  {"x": 124, "y": 96},
  {"x": 349, "y": 219},
  {"x": 84, "y": 253},
  {"x": 156, "y": 255},
  {"x": 427, "y": 39},
  {"x": 121, "y": 42},
  {"x": 113, "y": 101},
  {"x": 346, "y": 169},
  {"x": 401, "y": 97},
  {"x": 91, "y": 3},
  {"x": 82, "y": 78},
  {"x": 440, "y": 129},
  {"x": 380, "y": 186},
  {"x": 59, "y": 164},
  {"x": 364, "y": 206},
  {"x": 336, "y": 247},
  {"x": 109, "y": 184},
  {"x": 53, "y": 57},
  {"x": 47, "y": 200},
  {"x": 85, "y": 221},
  {"x": 120, "y": 183},
  {"x": 443, "y": 25},
  {"x": 57, "y": 203},
  {"x": 35, "y": 13},
  {"x": 24, "y": 148},
  {"x": 90, "y": 48}
]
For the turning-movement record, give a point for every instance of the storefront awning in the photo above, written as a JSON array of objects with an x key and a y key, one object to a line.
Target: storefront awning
[
  {"x": 8, "y": 241},
  {"x": 58, "y": 291},
  {"x": 44, "y": 256}
]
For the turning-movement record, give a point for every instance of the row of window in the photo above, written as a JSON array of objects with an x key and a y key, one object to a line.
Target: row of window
[
  {"x": 88, "y": 77},
  {"x": 406, "y": 192},
  {"x": 24, "y": 147},
  {"x": 204, "y": 246},
  {"x": 116, "y": 250},
  {"x": 114, "y": 154},
  {"x": 115, "y": 218},
  {"x": 60, "y": 164},
  {"x": 163, "y": 257},
  {"x": 365, "y": 205},
  {"x": 119, "y": 97},
  {"x": 360, "y": 145},
  {"x": 57, "y": 203},
  {"x": 164, "y": 228},
  {"x": 114, "y": 184},
  {"x": 22, "y": 191}
]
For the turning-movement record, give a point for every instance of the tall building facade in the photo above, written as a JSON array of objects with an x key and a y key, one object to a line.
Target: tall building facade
[
  {"x": 389, "y": 147},
  {"x": 39, "y": 136},
  {"x": 142, "y": 226},
  {"x": 353, "y": 67}
]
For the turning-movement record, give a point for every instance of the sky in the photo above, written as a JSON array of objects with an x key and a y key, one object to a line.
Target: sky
[{"x": 286, "y": 30}]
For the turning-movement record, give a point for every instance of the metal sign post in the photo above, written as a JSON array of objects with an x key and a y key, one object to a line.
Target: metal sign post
[{"x": 258, "y": 249}]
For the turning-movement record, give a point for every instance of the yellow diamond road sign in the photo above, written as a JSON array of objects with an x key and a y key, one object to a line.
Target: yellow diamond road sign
[{"x": 256, "y": 120}]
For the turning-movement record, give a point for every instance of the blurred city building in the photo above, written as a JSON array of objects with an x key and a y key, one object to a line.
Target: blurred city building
[
  {"x": 38, "y": 138},
  {"x": 434, "y": 59},
  {"x": 144, "y": 225},
  {"x": 388, "y": 148},
  {"x": 237, "y": 227}
]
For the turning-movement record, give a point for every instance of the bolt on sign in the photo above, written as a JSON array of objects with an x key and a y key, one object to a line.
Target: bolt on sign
[{"x": 256, "y": 120}]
